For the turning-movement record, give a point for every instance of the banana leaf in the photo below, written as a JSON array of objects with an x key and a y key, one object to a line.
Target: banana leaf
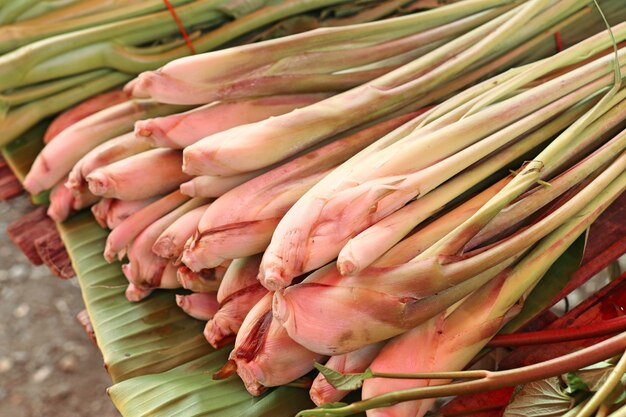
[
  {"x": 135, "y": 339},
  {"x": 21, "y": 153},
  {"x": 189, "y": 391}
]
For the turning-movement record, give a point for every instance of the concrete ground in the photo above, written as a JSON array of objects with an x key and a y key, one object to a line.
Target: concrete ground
[{"x": 48, "y": 365}]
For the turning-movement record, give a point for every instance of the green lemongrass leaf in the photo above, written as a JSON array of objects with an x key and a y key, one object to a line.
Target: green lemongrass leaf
[
  {"x": 542, "y": 398},
  {"x": 189, "y": 390},
  {"x": 342, "y": 381},
  {"x": 550, "y": 285},
  {"x": 148, "y": 337}
]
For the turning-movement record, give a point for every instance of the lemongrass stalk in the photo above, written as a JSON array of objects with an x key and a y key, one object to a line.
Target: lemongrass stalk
[
  {"x": 450, "y": 108},
  {"x": 428, "y": 178},
  {"x": 416, "y": 281},
  {"x": 83, "y": 200},
  {"x": 569, "y": 56},
  {"x": 239, "y": 291},
  {"x": 61, "y": 199},
  {"x": 458, "y": 338},
  {"x": 25, "y": 32},
  {"x": 62, "y": 204},
  {"x": 543, "y": 195},
  {"x": 63, "y": 10},
  {"x": 146, "y": 268},
  {"x": 91, "y": 44},
  {"x": 171, "y": 242},
  {"x": 388, "y": 194},
  {"x": 144, "y": 175},
  {"x": 225, "y": 232},
  {"x": 224, "y": 326},
  {"x": 32, "y": 93},
  {"x": 125, "y": 232},
  {"x": 82, "y": 110},
  {"x": 353, "y": 362},
  {"x": 241, "y": 274},
  {"x": 389, "y": 92},
  {"x": 121, "y": 210},
  {"x": 183, "y": 129},
  {"x": 293, "y": 73},
  {"x": 231, "y": 242},
  {"x": 358, "y": 253},
  {"x": 490, "y": 66},
  {"x": 138, "y": 29},
  {"x": 110, "y": 212},
  {"x": 470, "y": 263},
  {"x": 204, "y": 281},
  {"x": 265, "y": 355},
  {"x": 231, "y": 62},
  {"x": 396, "y": 358},
  {"x": 388, "y": 314},
  {"x": 210, "y": 186},
  {"x": 412, "y": 245},
  {"x": 19, "y": 120},
  {"x": 201, "y": 306},
  {"x": 566, "y": 145},
  {"x": 550, "y": 158},
  {"x": 374, "y": 12},
  {"x": 106, "y": 153},
  {"x": 58, "y": 157},
  {"x": 10, "y": 12},
  {"x": 100, "y": 211},
  {"x": 506, "y": 118}
]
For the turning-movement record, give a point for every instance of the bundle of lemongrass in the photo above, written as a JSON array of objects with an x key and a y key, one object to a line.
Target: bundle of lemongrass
[
  {"x": 57, "y": 54},
  {"x": 381, "y": 145}
]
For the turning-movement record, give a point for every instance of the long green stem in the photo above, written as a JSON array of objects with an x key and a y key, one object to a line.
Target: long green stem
[
  {"x": 359, "y": 253},
  {"x": 494, "y": 380},
  {"x": 434, "y": 375},
  {"x": 24, "y": 117},
  {"x": 15, "y": 67},
  {"x": 22, "y": 33},
  {"x": 40, "y": 91}
]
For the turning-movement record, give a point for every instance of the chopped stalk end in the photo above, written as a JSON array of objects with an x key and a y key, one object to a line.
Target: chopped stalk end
[
  {"x": 218, "y": 333},
  {"x": 347, "y": 267},
  {"x": 280, "y": 307},
  {"x": 188, "y": 188},
  {"x": 135, "y": 294},
  {"x": 98, "y": 183},
  {"x": 273, "y": 279},
  {"x": 228, "y": 370},
  {"x": 165, "y": 247}
]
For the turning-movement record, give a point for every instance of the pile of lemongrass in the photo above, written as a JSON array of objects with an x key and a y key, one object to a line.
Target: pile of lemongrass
[
  {"x": 54, "y": 55},
  {"x": 353, "y": 192}
]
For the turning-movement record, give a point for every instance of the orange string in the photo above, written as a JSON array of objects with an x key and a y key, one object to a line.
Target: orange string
[
  {"x": 559, "y": 41},
  {"x": 180, "y": 26}
]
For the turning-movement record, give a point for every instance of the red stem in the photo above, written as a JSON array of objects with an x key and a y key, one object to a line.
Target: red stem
[{"x": 603, "y": 328}]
